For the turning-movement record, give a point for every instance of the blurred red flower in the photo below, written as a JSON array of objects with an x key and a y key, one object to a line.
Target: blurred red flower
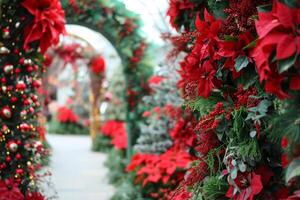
[
  {"x": 67, "y": 115},
  {"x": 98, "y": 65}
]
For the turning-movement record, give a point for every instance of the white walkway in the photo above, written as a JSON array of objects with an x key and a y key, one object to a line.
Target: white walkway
[{"x": 78, "y": 173}]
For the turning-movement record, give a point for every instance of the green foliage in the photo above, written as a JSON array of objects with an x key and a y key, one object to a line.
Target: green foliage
[
  {"x": 127, "y": 190},
  {"x": 67, "y": 128},
  {"x": 116, "y": 163},
  {"x": 102, "y": 143},
  {"x": 241, "y": 62},
  {"x": 202, "y": 105},
  {"x": 214, "y": 188}
]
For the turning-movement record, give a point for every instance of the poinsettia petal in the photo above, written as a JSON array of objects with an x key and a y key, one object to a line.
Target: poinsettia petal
[
  {"x": 286, "y": 46},
  {"x": 256, "y": 184},
  {"x": 295, "y": 83},
  {"x": 263, "y": 25},
  {"x": 284, "y": 15}
]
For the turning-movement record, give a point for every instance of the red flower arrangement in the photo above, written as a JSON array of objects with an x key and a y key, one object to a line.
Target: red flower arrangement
[
  {"x": 67, "y": 115},
  {"x": 34, "y": 196},
  {"x": 175, "y": 10},
  {"x": 155, "y": 80},
  {"x": 198, "y": 68},
  {"x": 250, "y": 185},
  {"x": 69, "y": 53},
  {"x": 117, "y": 131},
  {"x": 10, "y": 191},
  {"x": 166, "y": 169},
  {"x": 47, "y": 25},
  {"x": 98, "y": 65},
  {"x": 138, "y": 53},
  {"x": 278, "y": 32}
]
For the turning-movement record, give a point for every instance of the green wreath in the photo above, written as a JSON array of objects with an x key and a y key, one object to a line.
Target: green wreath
[{"x": 122, "y": 28}]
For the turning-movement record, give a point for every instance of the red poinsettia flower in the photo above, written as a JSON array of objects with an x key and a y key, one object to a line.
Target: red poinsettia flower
[
  {"x": 10, "y": 191},
  {"x": 47, "y": 25},
  {"x": 250, "y": 185},
  {"x": 232, "y": 49},
  {"x": 197, "y": 71},
  {"x": 278, "y": 32},
  {"x": 117, "y": 131},
  {"x": 34, "y": 196},
  {"x": 176, "y": 8},
  {"x": 152, "y": 168},
  {"x": 67, "y": 115},
  {"x": 155, "y": 80},
  {"x": 98, "y": 65}
]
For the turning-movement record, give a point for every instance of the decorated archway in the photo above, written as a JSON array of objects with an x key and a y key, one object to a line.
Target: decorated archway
[
  {"x": 29, "y": 28},
  {"x": 121, "y": 28}
]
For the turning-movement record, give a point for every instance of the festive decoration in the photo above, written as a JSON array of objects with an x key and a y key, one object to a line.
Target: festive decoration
[
  {"x": 121, "y": 28},
  {"x": 155, "y": 136},
  {"x": 47, "y": 25},
  {"x": 227, "y": 78},
  {"x": 98, "y": 65},
  {"x": 25, "y": 27}
]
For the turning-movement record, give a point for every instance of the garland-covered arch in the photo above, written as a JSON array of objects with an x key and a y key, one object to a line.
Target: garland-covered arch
[
  {"x": 122, "y": 28},
  {"x": 28, "y": 28}
]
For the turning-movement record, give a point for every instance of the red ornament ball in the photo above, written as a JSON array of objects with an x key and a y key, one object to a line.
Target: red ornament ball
[{"x": 6, "y": 112}]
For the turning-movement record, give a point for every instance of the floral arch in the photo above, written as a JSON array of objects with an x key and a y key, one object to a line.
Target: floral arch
[
  {"x": 28, "y": 28},
  {"x": 122, "y": 28}
]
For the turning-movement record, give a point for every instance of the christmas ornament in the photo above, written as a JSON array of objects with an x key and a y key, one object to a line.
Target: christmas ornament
[
  {"x": 6, "y": 112},
  {"x": 8, "y": 68},
  {"x": 4, "y": 50},
  {"x": 24, "y": 127},
  {"x": 13, "y": 146},
  {"x": 21, "y": 86},
  {"x": 6, "y": 33}
]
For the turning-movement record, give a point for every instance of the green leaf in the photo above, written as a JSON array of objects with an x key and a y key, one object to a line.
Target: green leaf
[
  {"x": 292, "y": 3},
  {"x": 293, "y": 170},
  {"x": 286, "y": 64},
  {"x": 230, "y": 38},
  {"x": 265, "y": 8},
  {"x": 241, "y": 62},
  {"x": 251, "y": 44}
]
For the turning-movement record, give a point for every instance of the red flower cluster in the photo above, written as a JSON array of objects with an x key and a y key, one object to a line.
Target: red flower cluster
[
  {"x": 165, "y": 169},
  {"x": 66, "y": 115},
  {"x": 155, "y": 80},
  {"x": 98, "y": 65},
  {"x": 175, "y": 11},
  {"x": 138, "y": 53},
  {"x": 199, "y": 68},
  {"x": 117, "y": 131},
  {"x": 278, "y": 32},
  {"x": 47, "y": 25},
  {"x": 183, "y": 134},
  {"x": 69, "y": 53}
]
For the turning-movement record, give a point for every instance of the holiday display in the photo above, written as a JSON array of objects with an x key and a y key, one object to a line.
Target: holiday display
[
  {"x": 241, "y": 63},
  {"x": 121, "y": 28},
  {"x": 67, "y": 122},
  {"x": 154, "y": 137},
  {"x": 28, "y": 28}
]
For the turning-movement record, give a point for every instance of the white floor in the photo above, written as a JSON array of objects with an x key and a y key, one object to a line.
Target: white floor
[{"x": 78, "y": 173}]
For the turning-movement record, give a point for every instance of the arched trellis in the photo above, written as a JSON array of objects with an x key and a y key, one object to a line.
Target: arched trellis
[{"x": 122, "y": 28}]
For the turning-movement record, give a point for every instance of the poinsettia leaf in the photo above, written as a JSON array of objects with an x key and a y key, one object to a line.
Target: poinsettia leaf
[
  {"x": 265, "y": 8},
  {"x": 230, "y": 38},
  {"x": 286, "y": 64},
  {"x": 292, "y": 3},
  {"x": 241, "y": 62},
  {"x": 251, "y": 44},
  {"x": 293, "y": 170}
]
